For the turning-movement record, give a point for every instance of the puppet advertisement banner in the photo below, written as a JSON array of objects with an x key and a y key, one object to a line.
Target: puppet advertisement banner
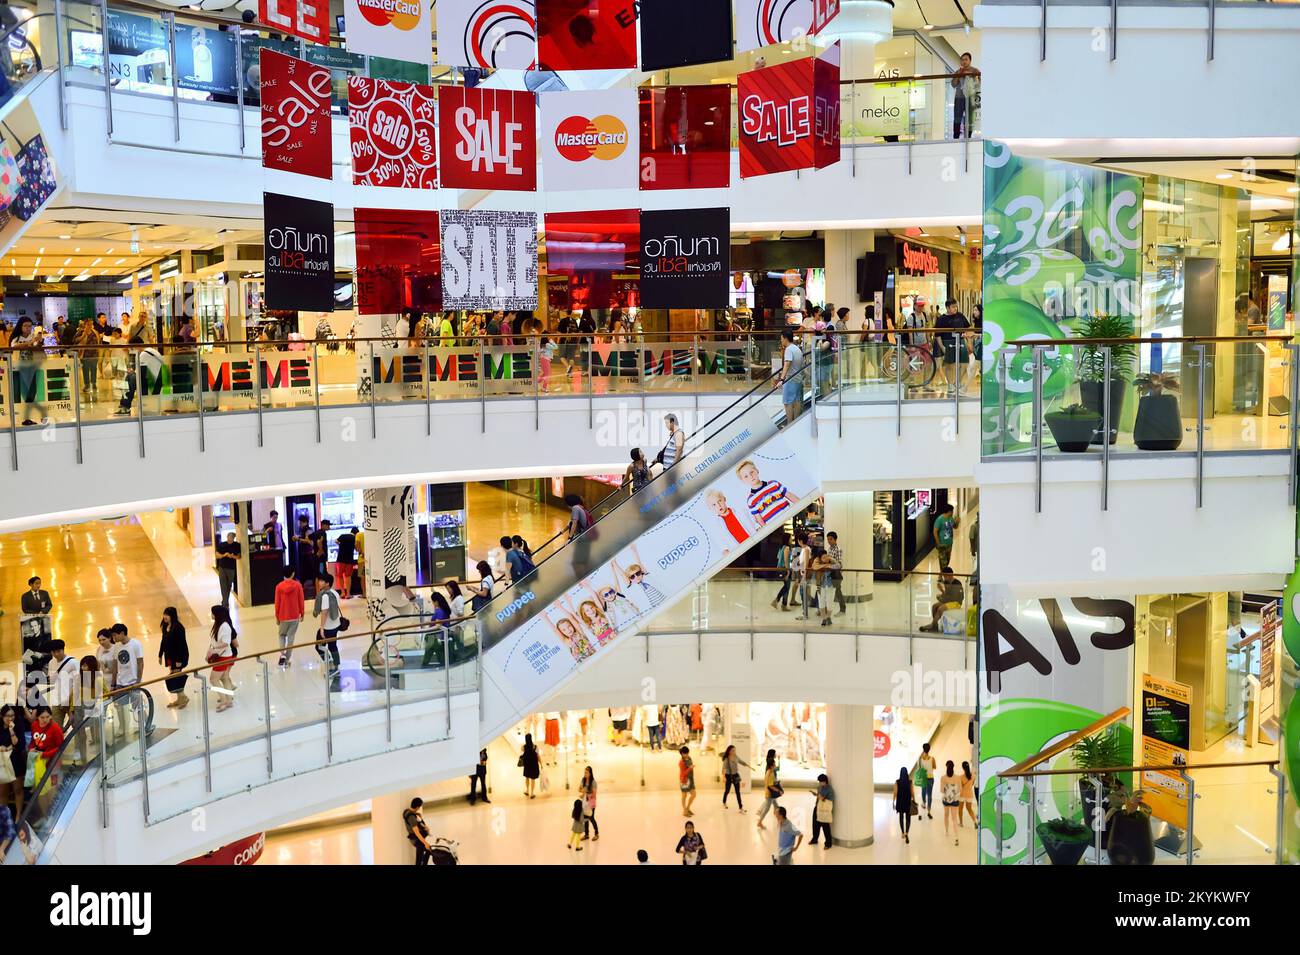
[
  {"x": 487, "y": 139},
  {"x": 489, "y": 259},
  {"x": 401, "y": 29},
  {"x": 719, "y": 500},
  {"x": 394, "y": 141},
  {"x": 295, "y": 115},
  {"x": 299, "y": 253},
  {"x": 309, "y": 19},
  {"x": 589, "y": 140},
  {"x": 487, "y": 34}
]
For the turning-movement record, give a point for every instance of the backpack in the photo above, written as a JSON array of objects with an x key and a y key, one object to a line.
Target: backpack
[{"x": 527, "y": 563}]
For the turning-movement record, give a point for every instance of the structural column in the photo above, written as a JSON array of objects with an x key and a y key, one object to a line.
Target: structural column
[
  {"x": 388, "y": 831},
  {"x": 850, "y": 514},
  {"x": 850, "y": 754}
]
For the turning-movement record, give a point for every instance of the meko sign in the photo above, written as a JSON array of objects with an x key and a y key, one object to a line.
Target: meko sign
[{"x": 916, "y": 259}]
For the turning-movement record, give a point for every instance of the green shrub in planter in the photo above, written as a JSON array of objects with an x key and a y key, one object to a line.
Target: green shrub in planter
[
  {"x": 1073, "y": 427},
  {"x": 1064, "y": 840},
  {"x": 1159, "y": 423}
]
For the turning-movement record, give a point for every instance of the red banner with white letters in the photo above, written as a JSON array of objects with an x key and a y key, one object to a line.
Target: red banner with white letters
[
  {"x": 309, "y": 19},
  {"x": 487, "y": 139},
  {"x": 394, "y": 142},
  {"x": 295, "y": 98},
  {"x": 789, "y": 115}
]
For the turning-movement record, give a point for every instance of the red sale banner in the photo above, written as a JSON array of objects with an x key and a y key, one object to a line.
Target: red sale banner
[
  {"x": 394, "y": 142},
  {"x": 309, "y": 19},
  {"x": 789, "y": 115},
  {"x": 295, "y": 98},
  {"x": 586, "y": 34},
  {"x": 487, "y": 139}
]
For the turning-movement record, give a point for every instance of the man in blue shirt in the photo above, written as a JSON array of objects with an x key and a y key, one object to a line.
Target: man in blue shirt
[
  {"x": 520, "y": 565},
  {"x": 788, "y": 838}
]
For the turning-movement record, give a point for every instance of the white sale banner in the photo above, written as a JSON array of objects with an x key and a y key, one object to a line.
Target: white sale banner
[
  {"x": 396, "y": 29},
  {"x": 589, "y": 140}
]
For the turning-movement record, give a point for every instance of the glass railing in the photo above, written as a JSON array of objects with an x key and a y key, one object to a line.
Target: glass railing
[{"x": 1228, "y": 813}]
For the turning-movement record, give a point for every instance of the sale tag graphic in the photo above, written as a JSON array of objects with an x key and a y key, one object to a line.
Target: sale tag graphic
[
  {"x": 309, "y": 19},
  {"x": 295, "y": 99},
  {"x": 489, "y": 259},
  {"x": 393, "y": 136},
  {"x": 487, "y": 139}
]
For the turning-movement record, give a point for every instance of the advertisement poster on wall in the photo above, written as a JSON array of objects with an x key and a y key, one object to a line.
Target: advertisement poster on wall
[
  {"x": 1166, "y": 741},
  {"x": 402, "y": 29},
  {"x": 295, "y": 99},
  {"x": 1061, "y": 241},
  {"x": 205, "y": 60},
  {"x": 586, "y": 34},
  {"x": 685, "y": 137},
  {"x": 394, "y": 141},
  {"x": 309, "y": 19},
  {"x": 487, "y": 139},
  {"x": 489, "y": 259},
  {"x": 137, "y": 52},
  {"x": 1269, "y": 624},
  {"x": 761, "y": 23},
  {"x": 677, "y": 33},
  {"x": 487, "y": 34},
  {"x": 399, "y": 261},
  {"x": 1047, "y": 668},
  {"x": 299, "y": 253},
  {"x": 789, "y": 115},
  {"x": 589, "y": 139},
  {"x": 685, "y": 257}
]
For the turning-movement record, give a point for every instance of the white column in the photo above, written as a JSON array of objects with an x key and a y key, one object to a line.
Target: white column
[
  {"x": 843, "y": 248},
  {"x": 850, "y": 753},
  {"x": 387, "y": 829},
  {"x": 849, "y": 514}
]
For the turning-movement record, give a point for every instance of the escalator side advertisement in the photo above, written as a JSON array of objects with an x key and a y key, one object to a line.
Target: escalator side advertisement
[{"x": 735, "y": 493}]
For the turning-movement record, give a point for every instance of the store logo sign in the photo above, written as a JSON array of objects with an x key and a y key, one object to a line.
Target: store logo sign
[
  {"x": 579, "y": 138},
  {"x": 919, "y": 261},
  {"x": 403, "y": 14}
]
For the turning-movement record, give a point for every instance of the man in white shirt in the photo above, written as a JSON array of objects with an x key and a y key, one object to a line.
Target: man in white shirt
[
  {"x": 650, "y": 716},
  {"x": 128, "y": 669},
  {"x": 63, "y": 683},
  {"x": 327, "y": 610}
]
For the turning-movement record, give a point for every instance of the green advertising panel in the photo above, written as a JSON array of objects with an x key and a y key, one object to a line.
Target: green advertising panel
[
  {"x": 1061, "y": 244},
  {"x": 1290, "y": 715}
]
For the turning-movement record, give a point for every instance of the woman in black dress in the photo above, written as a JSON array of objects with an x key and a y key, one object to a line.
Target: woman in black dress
[
  {"x": 531, "y": 765},
  {"x": 174, "y": 654}
]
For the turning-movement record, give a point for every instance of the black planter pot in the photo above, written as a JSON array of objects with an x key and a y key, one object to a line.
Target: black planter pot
[
  {"x": 1159, "y": 425},
  {"x": 1072, "y": 433},
  {"x": 1062, "y": 851},
  {"x": 1131, "y": 842},
  {"x": 1091, "y": 394}
]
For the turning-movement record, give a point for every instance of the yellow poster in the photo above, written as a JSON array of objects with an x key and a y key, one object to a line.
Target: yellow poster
[{"x": 1166, "y": 728}]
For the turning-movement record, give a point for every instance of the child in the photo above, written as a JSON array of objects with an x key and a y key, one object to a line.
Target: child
[
  {"x": 591, "y": 614},
  {"x": 570, "y": 634},
  {"x": 544, "y": 355},
  {"x": 618, "y": 609},
  {"x": 636, "y": 574},
  {"x": 767, "y": 499},
  {"x": 575, "y": 835},
  {"x": 716, "y": 501}
]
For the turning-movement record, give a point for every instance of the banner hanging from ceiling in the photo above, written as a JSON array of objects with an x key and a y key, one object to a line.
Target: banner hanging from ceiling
[
  {"x": 295, "y": 99},
  {"x": 393, "y": 134},
  {"x": 401, "y": 29},
  {"x": 487, "y": 139},
  {"x": 309, "y": 19},
  {"x": 593, "y": 259},
  {"x": 684, "y": 32},
  {"x": 586, "y": 34},
  {"x": 761, "y": 23},
  {"x": 399, "y": 261},
  {"x": 789, "y": 115},
  {"x": 685, "y": 137},
  {"x": 489, "y": 259},
  {"x": 298, "y": 239},
  {"x": 589, "y": 140},
  {"x": 487, "y": 34},
  {"x": 685, "y": 258}
]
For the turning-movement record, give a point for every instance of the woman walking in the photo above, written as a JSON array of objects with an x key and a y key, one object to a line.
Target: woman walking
[
  {"x": 967, "y": 797},
  {"x": 950, "y": 795},
  {"x": 904, "y": 802},
  {"x": 587, "y": 789},
  {"x": 691, "y": 846},
  {"x": 731, "y": 763},
  {"x": 784, "y": 553},
  {"x": 686, "y": 779},
  {"x": 772, "y": 788},
  {"x": 575, "y": 831},
  {"x": 174, "y": 654},
  {"x": 531, "y": 765},
  {"x": 222, "y": 650}
]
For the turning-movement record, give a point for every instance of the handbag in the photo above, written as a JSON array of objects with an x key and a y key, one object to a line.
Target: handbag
[
  {"x": 825, "y": 811},
  {"x": 777, "y": 791},
  {"x": 702, "y": 854},
  {"x": 7, "y": 774},
  {"x": 36, "y": 179},
  {"x": 912, "y": 810}
]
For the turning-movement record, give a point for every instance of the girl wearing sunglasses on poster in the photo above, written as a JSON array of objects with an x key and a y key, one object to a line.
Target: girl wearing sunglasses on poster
[
  {"x": 618, "y": 609},
  {"x": 636, "y": 574}
]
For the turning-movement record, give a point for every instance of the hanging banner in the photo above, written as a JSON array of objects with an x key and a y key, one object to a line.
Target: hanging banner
[
  {"x": 685, "y": 32},
  {"x": 1269, "y": 623},
  {"x": 295, "y": 99},
  {"x": 593, "y": 258},
  {"x": 586, "y": 34},
  {"x": 401, "y": 29},
  {"x": 487, "y": 34},
  {"x": 309, "y": 19},
  {"x": 789, "y": 115},
  {"x": 399, "y": 261},
  {"x": 589, "y": 140},
  {"x": 489, "y": 259},
  {"x": 685, "y": 258},
  {"x": 685, "y": 137},
  {"x": 762, "y": 23},
  {"x": 1166, "y": 741},
  {"x": 393, "y": 134},
  {"x": 487, "y": 139},
  {"x": 299, "y": 253}
]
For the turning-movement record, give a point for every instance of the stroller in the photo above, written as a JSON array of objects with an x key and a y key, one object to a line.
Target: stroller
[{"x": 444, "y": 851}]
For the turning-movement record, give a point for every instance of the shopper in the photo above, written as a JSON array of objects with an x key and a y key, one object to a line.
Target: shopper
[
  {"x": 576, "y": 534},
  {"x": 950, "y": 796},
  {"x": 63, "y": 683},
  {"x": 128, "y": 658},
  {"x": 104, "y": 655},
  {"x": 731, "y": 763},
  {"x": 772, "y": 788},
  {"x": 222, "y": 649},
  {"x": 531, "y": 764},
  {"x": 320, "y": 548},
  {"x": 653, "y": 726},
  {"x": 784, "y": 557},
  {"x": 575, "y": 829},
  {"x": 686, "y": 780},
  {"x": 926, "y": 768},
  {"x": 228, "y": 554},
  {"x": 824, "y": 585},
  {"x": 800, "y": 567},
  {"x": 691, "y": 846},
  {"x": 789, "y": 377},
  {"x": 966, "y": 100},
  {"x": 345, "y": 562},
  {"x": 47, "y": 740},
  {"x": 951, "y": 596},
  {"x": 637, "y": 475},
  {"x": 28, "y": 357},
  {"x": 823, "y": 809},
  {"x": 478, "y": 780},
  {"x": 944, "y": 527},
  {"x": 417, "y": 831},
  {"x": 174, "y": 654},
  {"x": 329, "y": 613},
  {"x": 481, "y": 592},
  {"x": 675, "y": 446},
  {"x": 966, "y": 797},
  {"x": 91, "y": 692},
  {"x": 13, "y": 761},
  {"x": 433, "y": 638},
  {"x": 272, "y": 532},
  {"x": 955, "y": 346},
  {"x": 788, "y": 838},
  {"x": 905, "y": 803},
  {"x": 587, "y": 790},
  {"x": 87, "y": 338},
  {"x": 517, "y": 562},
  {"x": 836, "y": 554},
  {"x": 290, "y": 609}
]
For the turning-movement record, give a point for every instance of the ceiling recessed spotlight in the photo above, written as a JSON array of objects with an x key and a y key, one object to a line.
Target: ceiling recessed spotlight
[
  {"x": 1223, "y": 175},
  {"x": 65, "y": 237}
]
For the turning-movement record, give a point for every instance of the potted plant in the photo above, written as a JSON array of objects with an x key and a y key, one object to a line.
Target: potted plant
[
  {"x": 1130, "y": 841},
  {"x": 1159, "y": 423},
  {"x": 1091, "y": 365},
  {"x": 1104, "y": 750},
  {"x": 1064, "y": 840},
  {"x": 1073, "y": 428}
]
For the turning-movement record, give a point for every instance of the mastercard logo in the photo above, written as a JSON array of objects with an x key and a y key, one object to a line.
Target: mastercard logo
[
  {"x": 403, "y": 14},
  {"x": 578, "y": 138}
]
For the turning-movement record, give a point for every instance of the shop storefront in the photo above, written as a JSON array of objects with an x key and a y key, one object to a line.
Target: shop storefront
[{"x": 903, "y": 529}]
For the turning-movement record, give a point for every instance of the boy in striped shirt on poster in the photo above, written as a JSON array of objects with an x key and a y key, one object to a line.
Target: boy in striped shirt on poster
[{"x": 767, "y": 500}]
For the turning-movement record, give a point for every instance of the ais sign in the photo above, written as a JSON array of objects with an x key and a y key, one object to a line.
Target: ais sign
[
  {"x": 789, "y": 115},
  {"x": 295, "y": 115},
  {"x": 487, "y": 139}
]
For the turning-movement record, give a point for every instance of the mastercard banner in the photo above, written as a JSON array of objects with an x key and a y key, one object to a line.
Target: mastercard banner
[
  {"x": 761, "y": 23},
  {"x": 589, "y": 140},
  {"x": 398, "y": 29},
  {"x": 488, "y": 34},
  {"x": 587, "y": 34},
  {"x": 487, "y": 139},
  {"x": 394, "y": 141},
  {"x": 309, "y": 19},
  {"x": 789, "y": 115}
]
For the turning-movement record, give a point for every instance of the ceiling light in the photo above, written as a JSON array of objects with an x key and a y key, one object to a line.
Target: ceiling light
[
  {"x": 1293, "y": 189},
  {"x": 65, "y": 237},
  {"x": 1223, "y": 175},
  {"x": 96, "y": 262},
  {"x": 119, "y": 261},
  {"x": 67, "y": 261}
]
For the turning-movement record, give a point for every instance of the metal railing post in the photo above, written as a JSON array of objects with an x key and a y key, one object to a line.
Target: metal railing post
[
  {"x": 58, "y": 53},
  {"x": 1191, "y": 815},
  {"x": 428, "y": 392},
  {"x": 537, "y": 385},
  {"x": 374, "y": 387},
  {"x": 326, "y": 665},
  {"x": 1099, "y": 814},
  {"x": 1209, "y": 47},
  {"x": 139, "y": 397},
  {"x": 13, "y": 410},
  {"x": 207, "y": 736},
  {"x": 239, "y": 86},
  {"x": 144, "y": 771},
  {"x": 1106, "y": 425},
  {"x": 257, "y": 387},
  {"x": 266, "y": 709},
  {"x": 482, "y": 389},
  {"x": 1000, "y": 378},
  {"x": 76, "y": 399},
  {"x": 1292, "y": 419},
  {"x": 446, "y": 666},
  {"x": 315, "y": 384},
  {"x": 956, "y": 387},
  {"x": 198, "y": 394},
  {"x": 1114, "y": 28},
  {"x": 839, "y": 392},
  {"x": 813, "y": 379},
  {"x": 170, "y": 19},
  {"x": 1280, "y": 834},
  {"x": 1033, "y": 813},
  {"x": 591, "y": 385},
  {"x": 388, "y": 689},
  {"x": 1042, "y": 32},
  {"x": 898, "y": 376},
  {"x": 1039, "y": 351},
  {"x": 1200, "y": 424},
  {"x": 997, "y": 809},
  {"x": 107, "y": 66}
]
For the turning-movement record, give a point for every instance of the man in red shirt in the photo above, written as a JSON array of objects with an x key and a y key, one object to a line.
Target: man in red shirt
[{"x": 289, "y": 610}]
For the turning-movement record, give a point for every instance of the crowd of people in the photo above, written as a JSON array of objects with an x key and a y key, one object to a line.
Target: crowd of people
[{"x": 914, "y": 794}]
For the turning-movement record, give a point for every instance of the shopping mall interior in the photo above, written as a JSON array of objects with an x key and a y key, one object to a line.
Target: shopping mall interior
[{"x": 443, "y": 437}]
